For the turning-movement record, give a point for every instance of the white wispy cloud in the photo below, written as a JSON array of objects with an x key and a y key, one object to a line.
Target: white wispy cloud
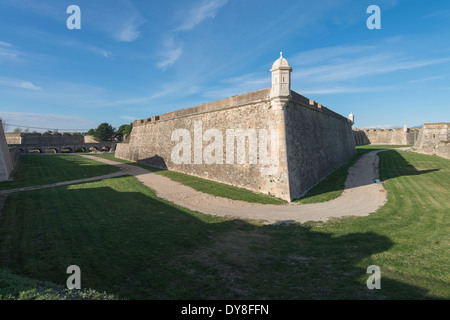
[
  {"x": 87, "y": 47},
  {"x": 129, "y": 29},
  {"x": 442, "y": 77},
  {"x": 349, "y": 68},
  {"x": 17, "y": 83},
  {"x": 51, "y": 121},
  {"x": 323, "y": 54},
  {"x": 8, "y": 51},
  {"x": 170, "y": 54},
  {"x": 137, "y": 100},
  {"x": 120, "y": 19},
  {"x": 438, "y": 14},
  {"x": 335, "y": 69},
  {"x": 100, "y": 51},
  {"x": 199, "y": 13},
  {"x": 238, "y": 85}
]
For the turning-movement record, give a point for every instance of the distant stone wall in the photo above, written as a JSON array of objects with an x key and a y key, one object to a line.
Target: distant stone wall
[
  {"x": 385, "y": 136},
  {"x": 312, "y": 141},
  {"x": 13, "y": 138},
  {"x": 434, "y": 139},
  {"x": 48, "y": 138},
  {"x": 57, "y": 142},
  {"x": 432, "y": 134}
]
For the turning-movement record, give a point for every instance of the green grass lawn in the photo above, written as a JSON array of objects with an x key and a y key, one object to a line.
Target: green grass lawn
[
  {"x": 204, "y": 185},
  {"x": 133, "y": 245},
  {"x": 45, "y": 169}
]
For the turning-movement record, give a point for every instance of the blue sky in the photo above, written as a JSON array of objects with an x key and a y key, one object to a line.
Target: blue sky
[{"x": 136, "y": 59}]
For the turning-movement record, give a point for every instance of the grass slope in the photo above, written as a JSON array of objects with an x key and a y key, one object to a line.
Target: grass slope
[
  {"x": 204, "y": 185},
  {"x": 132, "y": 244},
  {"x": 45, "y": 169}
]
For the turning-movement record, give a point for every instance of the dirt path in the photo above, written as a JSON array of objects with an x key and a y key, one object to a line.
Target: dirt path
[{"x": 361, "y": 195}]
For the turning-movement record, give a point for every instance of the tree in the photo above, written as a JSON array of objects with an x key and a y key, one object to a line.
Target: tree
[
  {"x": 91, "y": 132},
  {"x": 125, "y": 129},
  {"x": 17, "y": 130},
  {"x": 27, "y": 130},
  {"x": 104, "y": 132}
]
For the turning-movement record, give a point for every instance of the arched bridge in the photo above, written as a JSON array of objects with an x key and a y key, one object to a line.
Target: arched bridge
[{"x": 57, "y": 143}]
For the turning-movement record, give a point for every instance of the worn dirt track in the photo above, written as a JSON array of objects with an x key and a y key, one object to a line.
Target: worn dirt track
[{"x": 361, "y": 195}]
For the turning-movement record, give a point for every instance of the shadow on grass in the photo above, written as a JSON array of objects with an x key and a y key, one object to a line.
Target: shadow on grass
[
  {"x": 402, "y": 167},
  {"x": 132, "y": 244},
  {"x": 333, "y": 185}
]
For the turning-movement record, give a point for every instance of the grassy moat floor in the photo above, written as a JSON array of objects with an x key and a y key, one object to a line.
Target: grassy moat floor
[{"x": 130, "y": 244}]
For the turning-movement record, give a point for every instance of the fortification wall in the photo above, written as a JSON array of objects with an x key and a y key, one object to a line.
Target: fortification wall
[
  {"x": 13, "y": 138},
  {"x": 6, "y": 162},
  {"x": 51, "y": 139},
  {"x": 312, "y": 142},
  {"x": 432, "y": 134},
  {"x": 385, "y": 136},
  {"x": 434, "y": 139},
  {"x": 318, "y": 141},
  {"x": 48, "y": 139},
  {"x": 151, "y": 142}
]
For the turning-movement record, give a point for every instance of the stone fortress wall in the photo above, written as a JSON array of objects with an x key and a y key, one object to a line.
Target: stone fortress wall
[
  {"x": 434, "y": 138},
  {"x": 151, "y": 141},
  {"x": 311, "y": 140},
  {"x": 318, "y": 141},
  {"x": 42, "y": 141},
  {"x": 44, "y": 138},
  {"x": 405, "y": 136},
  {"x": 8, "y": 157}
]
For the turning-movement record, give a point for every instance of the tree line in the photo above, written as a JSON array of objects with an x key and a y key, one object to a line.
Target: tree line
[{"x": 106, "y": 132}]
